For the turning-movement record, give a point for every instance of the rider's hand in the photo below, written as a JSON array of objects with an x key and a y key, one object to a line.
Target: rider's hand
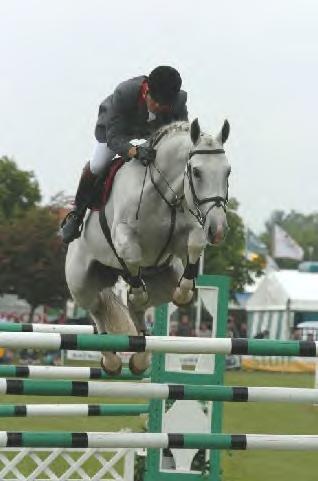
[
  {"x": 132, "y": 152},
  {"x": 145, "y": 154}
]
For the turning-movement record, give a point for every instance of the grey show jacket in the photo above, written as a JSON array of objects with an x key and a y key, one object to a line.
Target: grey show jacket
[{"x": 123, "y": 116}]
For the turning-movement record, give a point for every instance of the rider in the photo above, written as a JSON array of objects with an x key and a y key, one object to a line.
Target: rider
[{"x": 138, "y": 107}]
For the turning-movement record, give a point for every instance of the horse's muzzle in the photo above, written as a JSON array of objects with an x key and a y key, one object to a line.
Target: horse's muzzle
[{"x": 216, "y": 232}]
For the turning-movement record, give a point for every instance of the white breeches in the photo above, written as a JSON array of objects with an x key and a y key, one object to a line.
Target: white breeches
[{"x": 101, "y": 158}]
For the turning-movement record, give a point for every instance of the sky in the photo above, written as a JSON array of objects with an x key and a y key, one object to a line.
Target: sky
[{"x": 252, "y": 62}]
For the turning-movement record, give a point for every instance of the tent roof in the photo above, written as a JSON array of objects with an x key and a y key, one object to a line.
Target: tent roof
[
  {"x": 308, "y": 325},
  {"x": 277, "y": 289}
]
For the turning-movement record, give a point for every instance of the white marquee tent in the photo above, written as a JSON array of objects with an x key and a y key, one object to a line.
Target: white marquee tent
[{"x": 278, "y": 300}]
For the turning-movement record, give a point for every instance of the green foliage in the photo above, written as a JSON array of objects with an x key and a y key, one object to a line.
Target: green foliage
[
  {"x": 19, "y": 190},
  {"x": 139, "y": 468},
  {"x": 32, "y": 258},
  {"x": 301, "y": 227},
  {"x": 229, "y": 258}
]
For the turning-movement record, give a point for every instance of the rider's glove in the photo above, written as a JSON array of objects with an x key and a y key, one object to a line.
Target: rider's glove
[{"x": 145, "y": 154}]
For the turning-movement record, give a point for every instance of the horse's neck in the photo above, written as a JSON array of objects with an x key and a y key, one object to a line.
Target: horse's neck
[{"x": 171, "y": 160}]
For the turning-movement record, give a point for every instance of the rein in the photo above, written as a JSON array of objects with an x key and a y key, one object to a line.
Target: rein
[
  {"x": 216, "y": 201},
  {"x": 172, "y": 206}
]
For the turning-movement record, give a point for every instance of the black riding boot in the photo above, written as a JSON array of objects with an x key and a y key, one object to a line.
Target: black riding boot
[{"x": 71, "y": 225}]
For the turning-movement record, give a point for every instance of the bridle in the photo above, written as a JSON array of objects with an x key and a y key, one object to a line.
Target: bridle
[
  {"x": 216, "y": 201},
  {"x": 177, "y": 201}
]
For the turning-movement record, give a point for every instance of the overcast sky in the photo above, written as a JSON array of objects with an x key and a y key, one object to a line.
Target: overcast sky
[{"x": 253, "y": 62}]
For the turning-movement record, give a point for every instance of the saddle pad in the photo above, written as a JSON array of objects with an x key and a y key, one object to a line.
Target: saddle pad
[{"x": 104, "y": 191}]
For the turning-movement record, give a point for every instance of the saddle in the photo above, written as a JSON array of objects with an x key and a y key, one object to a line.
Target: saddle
[{"x": 104, "y": 185}]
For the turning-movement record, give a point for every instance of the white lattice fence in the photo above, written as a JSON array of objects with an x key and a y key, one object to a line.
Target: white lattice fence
[{"x": 58, "y": 464}]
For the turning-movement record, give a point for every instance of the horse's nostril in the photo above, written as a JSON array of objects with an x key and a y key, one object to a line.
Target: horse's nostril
[{"x": 216, "y": 235}]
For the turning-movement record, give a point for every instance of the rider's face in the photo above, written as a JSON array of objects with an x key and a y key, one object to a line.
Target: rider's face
[{"x": 154, "y": 106}]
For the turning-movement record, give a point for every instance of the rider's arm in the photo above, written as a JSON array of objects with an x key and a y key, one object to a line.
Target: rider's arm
[{"x": 113, "y": 123}]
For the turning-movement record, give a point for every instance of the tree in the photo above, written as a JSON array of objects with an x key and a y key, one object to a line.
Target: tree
[
  {"x": 32, "y": 259},
  {"x": 19, "y": 190},
  {"x": 61, "y": 200},
  {"x": 229, "y": 258},
  {"x": 301, "y": 227}
]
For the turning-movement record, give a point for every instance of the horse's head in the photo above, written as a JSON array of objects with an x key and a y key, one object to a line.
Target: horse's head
[{"x": 206, "y": 181}]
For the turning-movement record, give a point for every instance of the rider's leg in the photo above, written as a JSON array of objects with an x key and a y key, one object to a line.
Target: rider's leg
[
  {"x": 102, "y": 158},
  {"x": 101, "y": 161}
]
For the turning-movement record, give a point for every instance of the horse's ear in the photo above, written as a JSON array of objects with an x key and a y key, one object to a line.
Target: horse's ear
[
  {"x": 195, "y": 131},
  {"x": 223, "y": 135}
]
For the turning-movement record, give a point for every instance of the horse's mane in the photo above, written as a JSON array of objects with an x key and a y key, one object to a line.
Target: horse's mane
[
  {"x": 176, "y": 127},
  {"x": 179, "y": 126}
]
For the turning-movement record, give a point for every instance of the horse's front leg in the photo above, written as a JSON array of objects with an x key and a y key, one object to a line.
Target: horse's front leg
[
  {"x": 184, "y": 292},
  {"x": 139, "y": 361},
  {"x": 126, "y": 241}
]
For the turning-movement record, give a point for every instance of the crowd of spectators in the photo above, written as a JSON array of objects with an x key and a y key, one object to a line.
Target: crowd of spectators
[
  {"x": 236, "y": 329},
  {"x": 182, "y": 324},
  {"x": 185, "y": 326},
  {"x": 29, "y": 356}
]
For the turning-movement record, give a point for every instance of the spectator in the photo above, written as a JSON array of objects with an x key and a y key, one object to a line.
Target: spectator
[
  {"x": 184, "y": 326},
  {"x": 149, "y": 322},
  {"x": 173, "y": 331},
  {"x": 204, "y": 330},
  {"x": 310, "y": 336},
  {"x": 232, "y": 330},
  {"x": 262, "y": 335},
  {"x": 6, "y": 356},
  {"x": 62, "y": 318},
  {"x": 296, "y": 334},
  {"x": 243, "y": 329},
  {"x": 192, "y": 332}
]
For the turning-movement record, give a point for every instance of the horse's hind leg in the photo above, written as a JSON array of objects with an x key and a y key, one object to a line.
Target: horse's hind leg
[{"x": 90, "y": 286}]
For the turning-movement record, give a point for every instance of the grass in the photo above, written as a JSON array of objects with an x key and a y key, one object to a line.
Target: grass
[
  {"x": 270, "y": 418},
  {"x": 238, "y": 418}
]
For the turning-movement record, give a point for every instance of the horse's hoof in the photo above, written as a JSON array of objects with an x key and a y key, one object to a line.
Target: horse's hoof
[
  {"x": 111, "y": 372},
  {"x": 138, "y": 298},
  {"x": 137, "y": 370},
  {"x": 182, "y": 298},
  {"x": 182, "y": 304}
]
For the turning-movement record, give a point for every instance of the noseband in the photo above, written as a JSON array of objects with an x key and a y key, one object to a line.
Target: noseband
[{"x": 216, "y": 201}]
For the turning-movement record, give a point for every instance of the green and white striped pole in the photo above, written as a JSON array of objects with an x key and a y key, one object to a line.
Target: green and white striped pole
[
  {"x": 48, "y": 328},
  {"x": 159, "y": 440},
  {"x": 163, "y": 344},
  {"x": 37, "y": 410},
  {"x": 65, "y": 372},
  {"x": 157, "y": 391}
]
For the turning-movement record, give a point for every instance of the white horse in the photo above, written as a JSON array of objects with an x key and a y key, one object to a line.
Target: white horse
[{"x": 159, "y": 220}]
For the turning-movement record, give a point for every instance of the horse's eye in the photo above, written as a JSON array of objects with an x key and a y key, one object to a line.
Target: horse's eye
[{"x": 196, "y": 173}]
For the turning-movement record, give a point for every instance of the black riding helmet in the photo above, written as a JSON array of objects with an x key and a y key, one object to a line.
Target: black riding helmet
[{"x": 164, "y": 84}]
